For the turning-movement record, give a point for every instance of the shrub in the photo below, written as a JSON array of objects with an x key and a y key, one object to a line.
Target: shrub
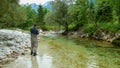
[
  {"x": 116, "y": 42},
  {"x": 90, "y": 29}
]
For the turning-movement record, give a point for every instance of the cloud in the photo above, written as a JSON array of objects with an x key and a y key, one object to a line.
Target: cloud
[{"x": 33, "y": 1}]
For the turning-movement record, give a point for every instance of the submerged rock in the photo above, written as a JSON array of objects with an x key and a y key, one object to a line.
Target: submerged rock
[{"x": 13, "y": 42}]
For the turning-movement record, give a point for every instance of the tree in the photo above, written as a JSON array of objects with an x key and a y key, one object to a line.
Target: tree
[
  {"x": 41, "y": 14},
  {"x": 31, "y": 15},
  {"x": 60, "y": 11},
  {"x": 10, "y": 15},
  {"x": 117, "y": 8},
  {"x": 104, "y": 13},
  {"x": 79, "y": 12},
  {"x": 50, "y": 22},
  {"x": 92, "y": 12}
]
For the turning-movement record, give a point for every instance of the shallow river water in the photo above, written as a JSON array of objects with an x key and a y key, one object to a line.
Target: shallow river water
[{"x": 62, "y": 52}]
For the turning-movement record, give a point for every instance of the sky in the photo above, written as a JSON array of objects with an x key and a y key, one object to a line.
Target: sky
[{"x": 33, "y": 1}]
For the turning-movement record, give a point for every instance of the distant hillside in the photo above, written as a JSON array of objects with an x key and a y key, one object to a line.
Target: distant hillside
[
  {"x": 46, "y": 5},
  {"x": 34, "y": 6}
]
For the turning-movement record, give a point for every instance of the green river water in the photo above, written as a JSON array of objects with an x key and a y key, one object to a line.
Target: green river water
[{"x": 62, "y": 52}]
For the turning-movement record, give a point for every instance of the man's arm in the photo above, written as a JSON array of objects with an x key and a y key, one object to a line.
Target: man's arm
[{"x": 37, "y": 32}]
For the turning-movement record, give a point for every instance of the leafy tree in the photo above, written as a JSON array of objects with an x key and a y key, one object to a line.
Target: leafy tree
[
  {"x": 10, "y": 14},
  {"x": 50, "y": 22},
  {"x": 92, "y": 13},
  {"x": 60, "y": 11},
  {"x": 117, "y": 8},
  {"x": 41, "y": 14},
  {"x": 31, "y": 16},
  {"x": 104, "y": 13},
  {"x": 82, "y": 17}
]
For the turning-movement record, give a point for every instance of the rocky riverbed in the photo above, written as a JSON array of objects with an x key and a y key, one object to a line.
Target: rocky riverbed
[{"x": 12, "y": 44}]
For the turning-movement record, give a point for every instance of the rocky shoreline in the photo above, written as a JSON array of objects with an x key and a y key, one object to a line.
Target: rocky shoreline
[
  {"x": 103, "y": 35},
  {"x": 12, "y": 44}
]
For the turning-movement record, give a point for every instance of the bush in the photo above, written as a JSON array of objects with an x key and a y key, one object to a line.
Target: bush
[
  {"x": 116, "y": 42},
  {"x": 109, "y": 26},
  {"x": 89, "y": 28}
]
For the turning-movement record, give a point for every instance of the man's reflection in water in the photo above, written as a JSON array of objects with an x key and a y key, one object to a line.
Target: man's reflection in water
[
  {"x": 41, "y": 61},
  {"x": 34, "y": 62}
]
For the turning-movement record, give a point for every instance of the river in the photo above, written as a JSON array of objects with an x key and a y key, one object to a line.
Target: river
[{"x": 62, "y": 52}]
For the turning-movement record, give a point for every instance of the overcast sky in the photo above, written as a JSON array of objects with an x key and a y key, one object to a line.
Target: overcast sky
[{"x": 33, "y": 1}]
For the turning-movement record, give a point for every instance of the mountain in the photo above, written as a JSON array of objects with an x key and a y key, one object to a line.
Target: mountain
[
  {"x": 46, "y": 5},
  {"x": 34, "y": 6}
]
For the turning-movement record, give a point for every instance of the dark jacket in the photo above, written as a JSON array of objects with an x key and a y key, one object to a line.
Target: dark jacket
[{"x": 34, "y": 31}]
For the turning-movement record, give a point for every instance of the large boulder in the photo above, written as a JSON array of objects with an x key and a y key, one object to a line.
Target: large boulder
[{"x": 13, "y": 41}]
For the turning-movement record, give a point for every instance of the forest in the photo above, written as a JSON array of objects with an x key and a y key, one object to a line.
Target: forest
[{"x": 68, "y": 15}]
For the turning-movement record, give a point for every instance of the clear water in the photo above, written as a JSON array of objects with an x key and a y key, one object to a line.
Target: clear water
[{"x": 62, "y": 52}]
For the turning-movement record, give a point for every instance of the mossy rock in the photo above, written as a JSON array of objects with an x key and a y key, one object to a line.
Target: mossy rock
[{"x": 116, "y": 42}]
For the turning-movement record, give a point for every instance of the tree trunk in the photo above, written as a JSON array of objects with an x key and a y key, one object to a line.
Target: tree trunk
[
  {"x": 66, "y": 29},
  {"x": 93, "y": 19}
]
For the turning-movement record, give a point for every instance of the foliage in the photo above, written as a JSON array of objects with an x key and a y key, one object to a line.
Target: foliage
[
  {"x": 89, "y": 28},
  {"x": 8, "y": 13},
  {"x": 116, "y": 42},
  {"x": 117, "y": 8},
  {"x": 50, "y": 21},
  {"x": 14, "y": 15},
  {"x": 104, "y": 13},
  {"x": 89, "y": 15},
  {"x": 31, "y": 16},
  {"x": 41, "y": 14},
  {"x": 60, "y": 11},
  {"x": 113, "y": 27}
]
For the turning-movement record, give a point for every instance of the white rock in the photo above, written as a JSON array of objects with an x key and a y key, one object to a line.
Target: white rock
[{"x": 13, "y": 41}]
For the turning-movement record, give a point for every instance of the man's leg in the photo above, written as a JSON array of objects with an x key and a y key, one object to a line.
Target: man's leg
[
  {"x": 32, "y": 49},
  {"x": 32, "y": 46},
  {"x": 35, "y": 47}
]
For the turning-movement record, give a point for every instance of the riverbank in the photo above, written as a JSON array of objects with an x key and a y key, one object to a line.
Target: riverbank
[
  {"x": 102, "y": 35},
  {"x": 12, "y": 44}
]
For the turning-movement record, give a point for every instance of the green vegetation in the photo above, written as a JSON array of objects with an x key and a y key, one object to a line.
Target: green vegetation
[
  {"x": 41, "y": 13},
  {"x": 30, "y": 17},
  {"x": 86, "y": 14},
  {"x": 13, "y": 15},
  {"x": 116, "y": 42},
  {"x": 89, "y": 15}
]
